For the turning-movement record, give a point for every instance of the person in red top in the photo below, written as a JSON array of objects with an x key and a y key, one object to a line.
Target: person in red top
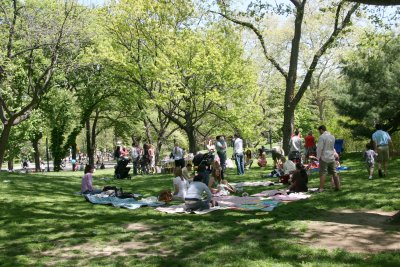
[{"x": 309, "y": 145}]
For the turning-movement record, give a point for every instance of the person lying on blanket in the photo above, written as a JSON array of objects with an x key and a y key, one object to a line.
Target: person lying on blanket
[
  {"x": 193, "y": 199},
  {"x": 299, "y": 179},
  {"x": 222, "y": 186}
]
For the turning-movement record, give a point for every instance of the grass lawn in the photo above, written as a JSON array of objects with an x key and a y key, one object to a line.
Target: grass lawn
[{"x": 43, "y": 223}]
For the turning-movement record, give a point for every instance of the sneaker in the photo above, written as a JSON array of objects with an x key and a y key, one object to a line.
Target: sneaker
[
  {"x": 370, "y": 178},
  {"x": 380, "y": 173}
]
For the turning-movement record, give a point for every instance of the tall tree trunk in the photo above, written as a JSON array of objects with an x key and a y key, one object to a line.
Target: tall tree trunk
[
  {"x": 89, "y": 143},
  {"x": 158, "y": 150},
  {"x": 94, "y": 135},
  {"x": 5, "y": 134},
  {"x": 288, "y": 126},
  {"x": 11, "y": 164},
  {"x": 190, "y": 132},
  {"x": 35, "y": 145}
]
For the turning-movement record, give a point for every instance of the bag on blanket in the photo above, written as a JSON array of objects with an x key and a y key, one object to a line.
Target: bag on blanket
[
  {"x": 165, "y": 195},
  {"x": 117, "y": 192}
]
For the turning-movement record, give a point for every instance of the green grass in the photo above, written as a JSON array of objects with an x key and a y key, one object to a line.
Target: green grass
[{"x": 42, "y": 223}]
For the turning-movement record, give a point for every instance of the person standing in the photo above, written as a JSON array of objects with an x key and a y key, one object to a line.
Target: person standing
[
  {"x": 309, "y": 145},
  {"x": 238, "y": 152},
  {"x": 326, "y": 157},
  {"x": 220, "y": 146},
  {"x": 295, "y": 144},
  {"x": 382, "y": 144},
  {"x": 152, "y": 159},
  {"x": 135, "y": 155},
  {"x": 369, "y": 157},
  {"x": 178, "y": 155}
]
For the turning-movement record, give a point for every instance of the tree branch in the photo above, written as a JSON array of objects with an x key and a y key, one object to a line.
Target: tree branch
[
  {"x": 260, "y": 38},
  {"x": 337, "y": 30}
]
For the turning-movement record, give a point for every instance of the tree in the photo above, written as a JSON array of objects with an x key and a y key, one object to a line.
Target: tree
[
  {"x": 294, "y": 90},
  {"x": 36, "y": 36},
  {"x": 372, "y": 91}
]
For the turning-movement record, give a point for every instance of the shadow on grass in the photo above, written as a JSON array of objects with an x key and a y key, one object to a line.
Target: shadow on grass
[{"x": 42, "y": 215}]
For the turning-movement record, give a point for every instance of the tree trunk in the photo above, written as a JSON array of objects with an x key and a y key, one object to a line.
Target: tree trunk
[
  {"x": 288, "y": 125},
  {"x": 192, "y": 139},
  {"x": 89, "y": 143},
  {"x": 94, "y": 135},
  {"x": 5, "y": 134},
  {"x": 35, "y": 145},
  {"x": 11, "y": 164},
  {"x": 158, "y": 150}
]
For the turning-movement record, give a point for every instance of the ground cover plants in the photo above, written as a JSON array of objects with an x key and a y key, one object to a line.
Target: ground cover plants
[{"x": 43, "y": 223}]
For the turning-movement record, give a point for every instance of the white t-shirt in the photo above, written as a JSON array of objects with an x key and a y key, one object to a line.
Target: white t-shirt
[
  {"x": 238, "y": 146},
  {"x": 326, "y": 147},
  {"x": 182, "y": 185},
  {"x": 295, "y": 143},
  {"x": 289, "y": 166}
]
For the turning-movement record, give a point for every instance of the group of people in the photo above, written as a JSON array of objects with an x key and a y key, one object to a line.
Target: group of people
[
  {"x": 190, "y": 188},
  {"x": 143, "y": 159},
  {"x": 378, "y": 151}
]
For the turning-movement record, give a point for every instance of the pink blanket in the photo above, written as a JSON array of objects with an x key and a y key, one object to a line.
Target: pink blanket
[
  {"x": 260, "y": 183},
  {"x": 291, "y": 197},
  {"x": 233, "y": 201},
  {"x": 269, "y": 193},
  {"x": 182, "y": 209}
]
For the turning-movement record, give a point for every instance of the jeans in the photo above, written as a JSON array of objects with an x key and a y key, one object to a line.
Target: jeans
[
  {"x": 196, "y": 205},
  {"x": 239, "y": 159}
]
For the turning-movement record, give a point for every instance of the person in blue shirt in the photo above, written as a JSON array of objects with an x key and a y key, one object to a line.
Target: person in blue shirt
[{"x": 382, "y": 144}]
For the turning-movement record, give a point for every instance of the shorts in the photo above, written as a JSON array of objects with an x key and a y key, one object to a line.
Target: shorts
[
  {"x": 327, "y": 167},
  {"x": 383, "y": 153}
]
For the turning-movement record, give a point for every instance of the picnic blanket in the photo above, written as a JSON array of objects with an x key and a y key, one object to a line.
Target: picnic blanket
[
  {"x": 259, "y": 183},
  {"x": 128, "y": 203},
  {"x": 291, "y": 197},
  {"x": 246, "y": 203},
  {"x": 182, "y": 209},
  {"x": 269, "y": 193}
]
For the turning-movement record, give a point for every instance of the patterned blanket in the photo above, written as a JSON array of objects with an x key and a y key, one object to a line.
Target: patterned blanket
[
  {"x": 128, "y": 203},
  {"x": 260, "y": 183}
]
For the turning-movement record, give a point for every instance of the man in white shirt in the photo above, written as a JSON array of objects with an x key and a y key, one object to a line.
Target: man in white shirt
[
  {"x": 179, "y": 156},
  {"x": 239, "y": 156},
  {"x": 382, "y": 144},
  {"x": 326, "y": 158}
]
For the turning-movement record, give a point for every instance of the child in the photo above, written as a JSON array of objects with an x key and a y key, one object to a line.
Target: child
[
  {"x": 87, "y": 181},
  {"x": 369, "y": 157}
]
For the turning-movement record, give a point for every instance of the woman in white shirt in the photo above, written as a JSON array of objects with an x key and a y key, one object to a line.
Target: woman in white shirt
[{"x": 181, "y": 185}]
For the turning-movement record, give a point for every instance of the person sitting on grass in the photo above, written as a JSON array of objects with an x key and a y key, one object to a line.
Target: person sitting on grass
[
  {"x": 193, "y": 199},
  {"x": 222, "y": 185},
  {"x": 248, "y": 159},
  {"x": 187, "y": 172},
  {"x": 262, "y": 161},
  {"x": 87, "y": 181},
  {"x": 299, "y": 179},
  {"x": 180, "y": 185}
]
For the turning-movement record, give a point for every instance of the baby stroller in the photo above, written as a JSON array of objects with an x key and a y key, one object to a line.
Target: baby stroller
[
  {"x": 121, "y": 171},
  {"x": 203, "y": 159}
]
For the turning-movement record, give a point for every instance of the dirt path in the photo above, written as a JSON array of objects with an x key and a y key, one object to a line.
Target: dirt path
[{"x": 354, "y": 231}]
